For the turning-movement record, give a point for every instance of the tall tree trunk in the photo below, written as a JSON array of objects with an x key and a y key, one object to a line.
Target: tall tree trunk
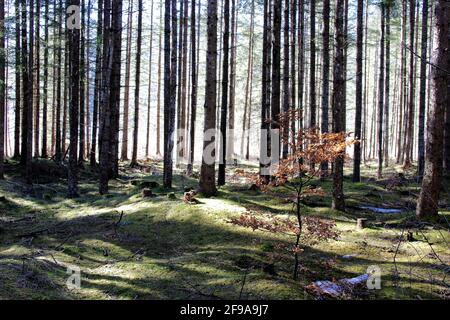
[
  {"x": 248, "y": 82},
  {"x": 381, "y": 78},
  {"x": 24, "y": 68},
  {"x": 82, "y": 88},
  {"x": 44, "y": 152},
  {"x": 137, "y": 86},
  {"x": 410, "y": 127},
  {"x": 2, "y": 86},
  {"x": 58, "y": 142},
  {"x": 232, "y": 84},
  {"x": 74, "y": 104},
  {"x": 326, "y": 76},
  {"x": 286, "y": 87},
  {"x": 265, "y": 142},
  {"x": 359, "y": 93},
  {"x": 427, "y": 206},
  {"x": 126, "y": 98},
  {"x": 170, "y": 83},
  {"x": 97, "y": 82},
  {"x": 276, "y": 78},
  {"x": 183, "y": 84},
  {"x": 403, "y": 92},
  {"x": 423, "y": 84},
  {"x": 149, "y": 92},
  {"x": 301, "y": 67},
  {"x": 36, "y": 80},
  {"x": 312, "y": 65},
  {"x": 387, "y": 87},
  {"x": 194, "y": 82},
  {"x": 115, "y": 85},
  {"x": 338, "y": 202},
  {"x": 207, "y": 173},
  {"x": 224, "y": 102},
  {"x": 104, "y": 105},
  {"x": 87, "y": 82},
  {"x": 18, "y": 96}
]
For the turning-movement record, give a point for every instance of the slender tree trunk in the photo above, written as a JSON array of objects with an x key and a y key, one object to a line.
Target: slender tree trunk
[
  {"x": 126, "y": 99},
  {"x": 232, "y": 84},
  {"x": 301, "y": 68},
  {"x": 138, "y": 83},
  {"x": 58, "y": 142},
  {"x": 276, "y": 67},
  {"x": 423, "y": 84},
  {"x": 87, "y": 82},
  {"x": 387, "y": 87},
  {"x": 104, "y": 105},
  {"x": 326, "y": 75},
  {"x": 359, "y": 92},
  {"x": 411, "y": 105},
  {"x": 2, "y": 86},
  {"x": 224, "y": 102},
  {"x": 149, "y": 92},
  {"x": 194, "y": 82},
  {"x": 170, "y": 83},
  {"x": 97, "y": 82},
  {"x": 312, "y": 61},
  {"x": 183, "y": 84},
  {"x": 158, "y": 94},
  {"x": 403, "y": 91},
  {"x": 427, "y": 206},
  {"x": 18, "y": 84},
  {"x": 115, "y": 85},
  {"x": 82, "y": 107},
  {"x": 207, "y": 173},
  {"x": 381, "y": 88},
  {"x": 44, "y": 152},
  {"x": 74, "y": 84},
  {"x": 338, "y": 202},
  {"x": 286, "y": 87},
  {"x": 248, "y": 88},
  {"x": 36, "y": 80}
]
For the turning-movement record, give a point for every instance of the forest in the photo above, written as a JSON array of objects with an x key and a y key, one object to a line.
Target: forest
[{"x": 224, "y": 150}]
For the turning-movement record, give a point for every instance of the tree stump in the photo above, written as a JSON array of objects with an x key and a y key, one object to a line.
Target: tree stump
[
  {"x": 361, "y": 223},
  {"x": 147, "y": 193}
]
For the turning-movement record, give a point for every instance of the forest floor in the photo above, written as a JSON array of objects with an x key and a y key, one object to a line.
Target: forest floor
[{"x": 164, "y": 248}]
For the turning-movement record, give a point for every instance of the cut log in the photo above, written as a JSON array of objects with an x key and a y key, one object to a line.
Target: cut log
[{"x": 361, "y": 223}]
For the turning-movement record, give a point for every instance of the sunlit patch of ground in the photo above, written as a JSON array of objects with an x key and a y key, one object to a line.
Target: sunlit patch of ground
[{"x": 163, "y": 248}]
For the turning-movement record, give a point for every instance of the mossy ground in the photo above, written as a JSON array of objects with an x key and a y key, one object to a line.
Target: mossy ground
[{"x": 166, "y": 249}]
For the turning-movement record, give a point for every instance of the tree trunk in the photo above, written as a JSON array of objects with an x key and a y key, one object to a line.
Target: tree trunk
[
  {"x": 158, "y": 94},
  {"x": 286, "y": 87},
  {"x": 381, "y": 88},
  {"x": 2, "y": 86},
  {"x": 18, "y": 96},
  {"x": 44, "y": 152},
  {"x": 149, "y": 92},
  {"x": 224, "y": 104},
  {"x": 74, "y": 104},
  {"x": 265, "y": 143},
  {"x": 232, "y": 84},
  {"x": 105, "y": 107},
  {"x": 276, "y": 67},
  {"x": 194, "y": 81},
  {"x": 403, "y": 91},
  {"x": 359, "y": 93},
  {"x": 387, "y": 88},
  {"x": 58, "y": 62},
  {"x": 36, "y": 80},
  {"x": 97, "y": 82},
  {"x": 170, "y": 83},
  {"x": 326, "y": 76},
  {"x": 126, "y": 98},
  {"x": 410, "y": 127},
  {"x": 339, "y": 103},
  {"x": 207, "y": 173},
  {"x": 423, "y": 84},
  {"x": 137, "y": 86},
  {"x": 312, "y": 65},
  {"x": 82, "y": 71},
  {"x": 427, "y": 206}
]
